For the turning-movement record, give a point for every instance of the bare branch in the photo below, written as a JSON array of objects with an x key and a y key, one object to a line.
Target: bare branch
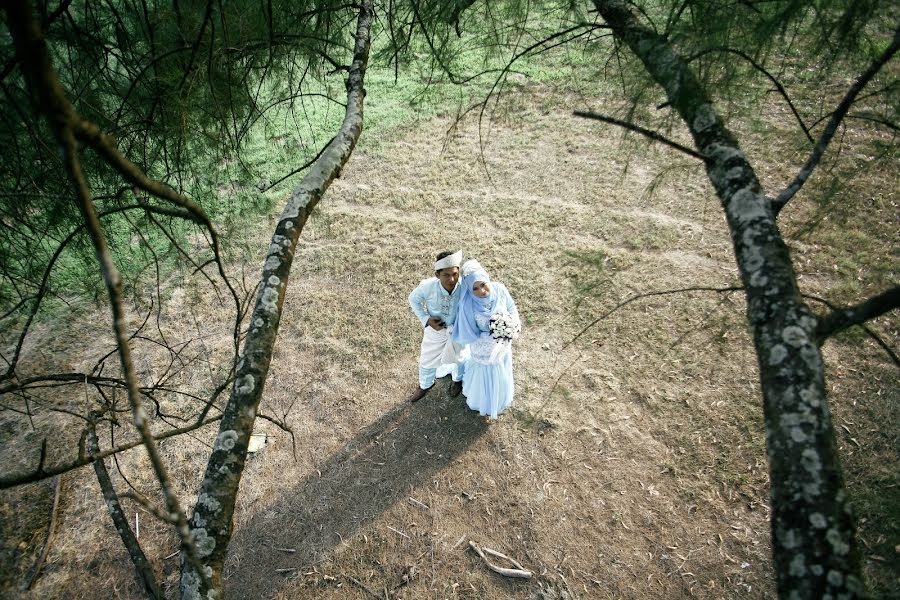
[
  {"x": 301, "y": 168},
  {"x": 45, "y": 278},
  {"x": 631, "y": 299},
  {"x": 39, "y": 563},
  {"x": 641, "y": 130},
  {"x": 226, "y": 463},
  {"x": 768, "y": 75},
  {"x": 43, "y": 472},
  {"x": 875, "y": 119},
  {"x": 791, "y": 365},
  {"x": 868, "y": 331},
  {"x": 284, "y": 427},
  {"x": 836, "y": 117},
  {"x": 840, "y": 319}
]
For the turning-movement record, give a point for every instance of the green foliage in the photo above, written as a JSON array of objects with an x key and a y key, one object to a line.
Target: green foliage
[{"x": 222, "y": 106}]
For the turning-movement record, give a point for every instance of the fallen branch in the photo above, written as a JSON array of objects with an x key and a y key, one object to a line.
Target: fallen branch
[
  {"x": 418, "y": 503},
  {"x": 647, "y": 295},
  {"x": 398, "y": 531},
  {"x": 52, "y": 528},
  {"x": 364, "y": 587},
  {"x": 519, "y": 572},
  {"x": 501, "y": 555}
]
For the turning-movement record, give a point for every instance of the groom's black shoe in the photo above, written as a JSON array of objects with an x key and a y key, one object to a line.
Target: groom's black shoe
[
  {"x": 418, "y": 394},
  {"x": 455, "y": 389}
]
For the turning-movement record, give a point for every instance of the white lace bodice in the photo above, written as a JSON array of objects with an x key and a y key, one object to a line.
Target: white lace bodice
[{"x": 487, "y": 350}]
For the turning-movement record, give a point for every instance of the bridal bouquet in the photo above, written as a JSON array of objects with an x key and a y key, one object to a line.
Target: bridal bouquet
[{"x": 503, "y": 327}]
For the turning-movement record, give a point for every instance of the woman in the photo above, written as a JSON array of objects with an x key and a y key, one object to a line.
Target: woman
[{"x": 487, "y": 320}]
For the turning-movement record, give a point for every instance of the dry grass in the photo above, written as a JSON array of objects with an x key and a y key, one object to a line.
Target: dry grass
[{"x": 632, "y": 463}]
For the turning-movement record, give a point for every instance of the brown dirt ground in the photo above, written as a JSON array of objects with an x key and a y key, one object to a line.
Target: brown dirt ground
[{"x": 632, "y": 463}]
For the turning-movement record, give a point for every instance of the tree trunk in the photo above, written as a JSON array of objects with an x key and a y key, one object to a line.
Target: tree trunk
[
  {"x": 813, "y": 539},
  {"x": 113, "y": 505},
  {"x": 211, "y": 523}
]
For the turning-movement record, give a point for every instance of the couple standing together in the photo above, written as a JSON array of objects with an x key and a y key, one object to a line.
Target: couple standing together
[{"x": 469, "y": 323}]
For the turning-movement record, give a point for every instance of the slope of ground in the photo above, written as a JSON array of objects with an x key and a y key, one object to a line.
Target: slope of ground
[{"x": 632, "y": 463}]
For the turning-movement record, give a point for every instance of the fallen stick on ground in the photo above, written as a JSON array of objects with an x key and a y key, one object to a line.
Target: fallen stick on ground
[
  {"x": 398, "y": 531},
  {"x": 519, "y": 572},
  {"x": 36, "y": 569},
  {"x": 364, "y": 587},
  {"x": 501, "y": 555},
  {"x": 418, "y": 503}
]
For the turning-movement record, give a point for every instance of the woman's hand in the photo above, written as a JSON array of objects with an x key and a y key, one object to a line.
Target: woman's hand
[{"x": 436, "y": 323}]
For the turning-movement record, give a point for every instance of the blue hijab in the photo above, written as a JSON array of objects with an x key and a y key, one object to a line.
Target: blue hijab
[{"x": 465, "y": 328}]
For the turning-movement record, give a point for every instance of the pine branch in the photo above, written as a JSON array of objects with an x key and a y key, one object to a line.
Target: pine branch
[
  {"x": 840, "y": 319},
  {"x": 641, "y": 130},
  {"x": 631, "y": 299},
  {"x": 769, "y": 76},
  {"x": 226, "y": 463},
  {"x": 831, "y": 128}
]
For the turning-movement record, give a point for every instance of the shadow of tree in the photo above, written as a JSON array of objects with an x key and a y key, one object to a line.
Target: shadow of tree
[{"x": 380, "y": 466}]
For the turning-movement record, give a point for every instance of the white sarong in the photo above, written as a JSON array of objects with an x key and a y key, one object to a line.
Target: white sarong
[{"x": 439, "y": 349}]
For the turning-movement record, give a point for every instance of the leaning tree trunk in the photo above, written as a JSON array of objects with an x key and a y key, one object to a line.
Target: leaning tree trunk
[
  {"x": 813, "y": 540},
  {"x": 211, "y": 523},
  {"x": 120, "y": 520}
]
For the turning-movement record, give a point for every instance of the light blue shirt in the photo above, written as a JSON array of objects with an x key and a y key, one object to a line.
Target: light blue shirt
[{"x": 430, "y": 299}]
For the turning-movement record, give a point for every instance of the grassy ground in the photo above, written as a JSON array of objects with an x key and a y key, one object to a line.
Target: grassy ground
[{"x": 632, "y": 463}]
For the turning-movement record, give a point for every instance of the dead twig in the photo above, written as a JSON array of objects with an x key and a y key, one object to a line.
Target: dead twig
[
  {"x": 364, "y": 587},
  {"x": 409, "y": 574},
  {"x": 519, "y": 572},
  {"x": 419, "y": 504},
  {"x": 501, "y": 555},
  {"x": 36, "y": 569},
  {"x": 398, "y": 531}
]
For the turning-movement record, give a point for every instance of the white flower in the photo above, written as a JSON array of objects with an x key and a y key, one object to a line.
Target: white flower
[{"x": 503, "y": 326}]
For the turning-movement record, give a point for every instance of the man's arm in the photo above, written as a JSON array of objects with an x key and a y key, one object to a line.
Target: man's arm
[{"x": 417, "y": 303}]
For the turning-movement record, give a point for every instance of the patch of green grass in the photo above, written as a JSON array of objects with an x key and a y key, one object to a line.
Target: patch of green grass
[
  {"x": 853, "y": 336},
  {"x": 589, "y": 272}
]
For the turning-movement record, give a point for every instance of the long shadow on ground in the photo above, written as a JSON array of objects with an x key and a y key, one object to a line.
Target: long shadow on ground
[{"x": 380, "y": 466}]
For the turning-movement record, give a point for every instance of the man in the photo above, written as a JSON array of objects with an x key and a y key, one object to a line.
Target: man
[{"x": 434, "y": 302}]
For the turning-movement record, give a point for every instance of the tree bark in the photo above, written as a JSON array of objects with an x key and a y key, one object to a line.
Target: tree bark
[
  {"x": 813, "y": 538},
  {"x": 141, "y": 564},
  {"x": 211, "y": 523}
]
